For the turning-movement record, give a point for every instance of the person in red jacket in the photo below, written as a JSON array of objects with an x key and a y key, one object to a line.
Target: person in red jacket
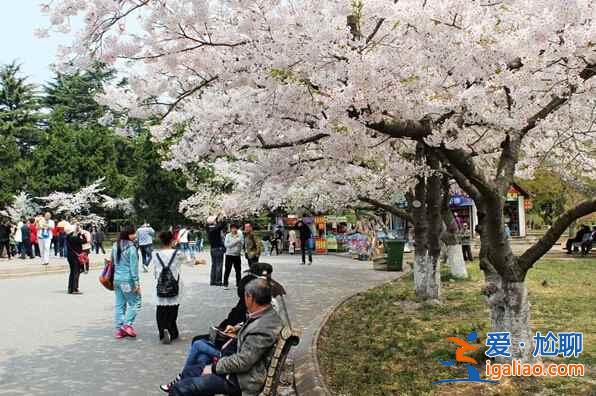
[
  {"x": 56, "y": 239},
  {"x": 34, "y": 244}
]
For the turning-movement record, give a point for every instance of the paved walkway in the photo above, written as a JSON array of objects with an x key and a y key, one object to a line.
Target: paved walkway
[{"x": 52, "y": 343}]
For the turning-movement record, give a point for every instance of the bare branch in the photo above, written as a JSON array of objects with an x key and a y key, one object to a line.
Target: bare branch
[
  {"x": 387, "y": 207},
  {"x": 185, "y": 94},
  {"x": 402, "y": 129},
  {"x": 588, "y": 72},
  {"x": 298, "y": 142},
  {"x": 540, "y": 248},
  {"x": 375, "y": 30}
]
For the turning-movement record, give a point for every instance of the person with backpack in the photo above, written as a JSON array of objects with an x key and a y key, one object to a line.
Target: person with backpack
[
  {"x": 127, "y": 288},
  {"x": 167, "y": 269}
]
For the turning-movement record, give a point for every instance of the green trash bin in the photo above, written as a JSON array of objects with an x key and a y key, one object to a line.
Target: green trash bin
[{"x": 395, "y": 254}]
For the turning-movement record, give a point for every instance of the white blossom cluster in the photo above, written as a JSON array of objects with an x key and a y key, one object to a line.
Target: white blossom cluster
[
  {"x": 79, "y": 206},
  {"x": 245, "y": 78},
  {"x": 23, "y": 206}
]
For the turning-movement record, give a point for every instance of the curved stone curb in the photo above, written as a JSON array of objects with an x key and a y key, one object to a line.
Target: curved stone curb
[
  {"x": 308, "y": 379},
  {"x": 30, "y": 270}
]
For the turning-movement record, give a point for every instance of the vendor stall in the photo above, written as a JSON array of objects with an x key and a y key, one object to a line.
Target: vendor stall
[
  {"x": 336, "y": 228},
  {"x": 516, "y": 203},
  {"x": 463, "y": 210}
]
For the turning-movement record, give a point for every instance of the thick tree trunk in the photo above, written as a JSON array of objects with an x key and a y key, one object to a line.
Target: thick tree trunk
[
  {"x": 507, "y": 299},
  {"x": 510, "y": 312},
  {"x": 427, "y": 276},
  {"x": 427, "y": 219},
  {"x": 456, "y": 262}
]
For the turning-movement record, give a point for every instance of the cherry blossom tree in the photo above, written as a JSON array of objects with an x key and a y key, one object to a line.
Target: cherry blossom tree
[
  {"x": 483, "y": 91},
  {"x": 23, "y": 206},
  {"x": 80, "y": 207}
]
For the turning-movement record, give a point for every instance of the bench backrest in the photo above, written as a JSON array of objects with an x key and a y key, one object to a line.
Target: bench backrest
[{"x": 286, "y": 340}]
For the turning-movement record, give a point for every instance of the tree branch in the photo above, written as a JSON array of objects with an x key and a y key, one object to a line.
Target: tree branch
[
  {"x": 588, "y": 72},
  {"x": 185, "y": 94},
  {"x": 298, "y": 142},
  {"x": 540, "y": 248},
  {"x": 556, "y": 102},
  {"x": 552, "y": 106},
  {"x": 375, "y": 30},
  {"x": 402, "y": 129},
  {"x": 462, "y": 162},
  {"x": 389, "y": 208}
]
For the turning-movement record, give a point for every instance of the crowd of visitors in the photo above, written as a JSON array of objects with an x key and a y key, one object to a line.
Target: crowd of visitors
[
  {"x": 232, "y": 359},
  {"x": 41, "y": 235}
]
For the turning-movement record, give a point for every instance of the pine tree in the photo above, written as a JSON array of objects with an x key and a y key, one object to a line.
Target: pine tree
[
  {"x": 74, "y": 94},
  {"x": 20, "y": 130},
  {"x": 19, "y": 109}
]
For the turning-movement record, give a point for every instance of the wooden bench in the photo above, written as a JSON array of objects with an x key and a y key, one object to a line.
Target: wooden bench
[{"x": 286, "y": 340}]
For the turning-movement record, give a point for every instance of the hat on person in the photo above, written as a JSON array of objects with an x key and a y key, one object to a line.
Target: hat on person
[{"x": 211, "y": 219}]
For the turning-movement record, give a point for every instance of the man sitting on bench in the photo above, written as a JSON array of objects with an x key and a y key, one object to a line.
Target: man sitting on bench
[
  {"x": 589, "y": 241},
  {"x": 574, "y": 243},
  {"x": 244, "y": 372}
]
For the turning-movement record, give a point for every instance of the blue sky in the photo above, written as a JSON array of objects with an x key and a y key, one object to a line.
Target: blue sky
[{"x": 18, "y": 20}]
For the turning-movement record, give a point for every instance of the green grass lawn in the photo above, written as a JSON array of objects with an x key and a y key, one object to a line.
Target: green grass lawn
[{"x": 383, "y": 343}]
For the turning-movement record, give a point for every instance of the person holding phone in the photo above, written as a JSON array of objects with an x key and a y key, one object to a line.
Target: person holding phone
[
  {"x": 74, "y": 241},
  {"x": 127, "y": 288}
]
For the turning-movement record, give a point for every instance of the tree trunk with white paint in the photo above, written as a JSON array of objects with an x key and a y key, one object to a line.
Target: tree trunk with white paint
[
  {"x": 428, "y": 221},
  {"x": 427, "y": 276},
  {"x": 510, "y": 312},
  {"x": 456, "y": 262}
]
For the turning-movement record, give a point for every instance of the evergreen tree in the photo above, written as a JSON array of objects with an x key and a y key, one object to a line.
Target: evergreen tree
[
  {"x": 71, "y": 156},
  {"x": 19, "y": 109},
  {"x": 19, "y": 130},
  {"x": 74, "y": 94}
]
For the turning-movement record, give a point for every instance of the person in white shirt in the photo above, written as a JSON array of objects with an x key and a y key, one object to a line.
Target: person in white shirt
[
  {"x": 44, "y": 237},
  {"x": 18, "y": 238},
  {"x": 183, "y": 240},
  {"x": 145, "y": 236},
  {"x": 233, "y": 243}
]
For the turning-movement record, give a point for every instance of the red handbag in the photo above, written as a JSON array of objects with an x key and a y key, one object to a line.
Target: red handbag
[
  {"x": 106, "y": 278},
  {"x": 83, "y": 259}
]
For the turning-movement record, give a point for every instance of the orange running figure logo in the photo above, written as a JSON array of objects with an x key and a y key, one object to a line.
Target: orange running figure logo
[{"x": 464, "y": 346}]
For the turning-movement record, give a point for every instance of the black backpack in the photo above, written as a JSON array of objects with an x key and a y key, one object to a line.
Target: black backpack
[{"x": 167, "y": 285}]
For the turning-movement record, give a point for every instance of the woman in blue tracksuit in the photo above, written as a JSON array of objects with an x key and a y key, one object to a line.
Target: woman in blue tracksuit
[{"x": 126, "y": 283}]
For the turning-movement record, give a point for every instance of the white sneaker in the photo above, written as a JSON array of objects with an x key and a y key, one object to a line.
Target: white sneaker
[
  {"x": 168, "y": 387},
  {"x": 167, "y": 338}
]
